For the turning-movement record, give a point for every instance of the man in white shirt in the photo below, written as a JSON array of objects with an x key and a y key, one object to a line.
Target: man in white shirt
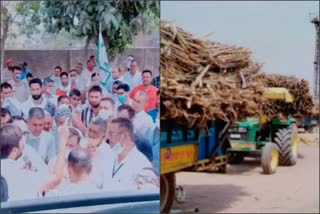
[
  {"x": 142, "y": 122},
  {"x": 79, "y": 167},
  {"x": 56, "y": 76},
  {"x": 29, "y": 159},
  {"x": 22, "y": 184},
  {"x": 8, "y": 101},
  {"x": 37, "y": 99},
  {"x": 99, "y": 149},
  {"x": 41, "y": 141},
  {"x": 7, "y": 72},
  {"x": 49, "y": 91},
  {"x": 128, "y": 161},
  {"x": 133, "y": 77}
]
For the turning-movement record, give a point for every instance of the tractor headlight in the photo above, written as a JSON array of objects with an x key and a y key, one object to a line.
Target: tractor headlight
[{"x": 242, "y": 130}]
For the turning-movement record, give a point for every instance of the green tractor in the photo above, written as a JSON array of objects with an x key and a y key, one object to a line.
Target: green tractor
[{"x": 275, "y": 141}]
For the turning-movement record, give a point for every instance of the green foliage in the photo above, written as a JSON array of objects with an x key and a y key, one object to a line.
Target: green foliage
[{"x": 120, "y": 20}]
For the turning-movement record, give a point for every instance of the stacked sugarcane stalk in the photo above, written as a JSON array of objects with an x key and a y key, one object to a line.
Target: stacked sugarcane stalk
[
  {"x": 302, "y": 104},
  {"x": 203, "y": 80}
]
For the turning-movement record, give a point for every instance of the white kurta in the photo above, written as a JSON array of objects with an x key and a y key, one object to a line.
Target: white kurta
[{"x": 22, "y": 184}]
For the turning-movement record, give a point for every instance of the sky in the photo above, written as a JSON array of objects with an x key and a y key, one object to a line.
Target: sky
[{"x": 279, "y": 34}]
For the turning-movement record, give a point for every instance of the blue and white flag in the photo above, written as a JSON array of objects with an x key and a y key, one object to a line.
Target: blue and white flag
[{"x": 102, "y": 61}]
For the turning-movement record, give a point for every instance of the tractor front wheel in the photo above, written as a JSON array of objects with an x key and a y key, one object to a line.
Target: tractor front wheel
[
  {"x": 287, "y": 140},
  {"x": 167, "y": 191},
  {"x": 269, "y": 158}
]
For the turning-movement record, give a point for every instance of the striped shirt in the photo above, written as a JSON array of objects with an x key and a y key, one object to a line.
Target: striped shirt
[{"x": 87, "y": 116}]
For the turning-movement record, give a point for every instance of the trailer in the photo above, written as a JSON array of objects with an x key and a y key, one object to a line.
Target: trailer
[{"x": 183, "y": 148}]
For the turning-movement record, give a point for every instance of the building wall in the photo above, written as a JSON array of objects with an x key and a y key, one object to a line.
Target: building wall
[{"x": 42, "y": 62}]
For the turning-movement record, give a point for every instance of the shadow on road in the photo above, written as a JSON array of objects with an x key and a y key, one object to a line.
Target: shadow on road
[
  {"x": 248, "y": 166},
  {"x": 210, "y": 198}
]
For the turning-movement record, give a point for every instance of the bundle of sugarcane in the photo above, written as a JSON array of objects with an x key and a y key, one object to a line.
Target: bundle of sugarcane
[
  {"x": 203, "y": 80},
  {"x": 302, "y": 104}
]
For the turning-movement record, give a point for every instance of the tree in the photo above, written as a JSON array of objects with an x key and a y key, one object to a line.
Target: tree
[{"x": 119, "y": 20}]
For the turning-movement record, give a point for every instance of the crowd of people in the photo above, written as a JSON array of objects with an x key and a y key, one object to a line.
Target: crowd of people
[{"x": 71, "y": 133}]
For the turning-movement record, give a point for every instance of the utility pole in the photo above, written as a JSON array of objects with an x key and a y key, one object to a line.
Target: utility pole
[{"x": 314, "y": 18}]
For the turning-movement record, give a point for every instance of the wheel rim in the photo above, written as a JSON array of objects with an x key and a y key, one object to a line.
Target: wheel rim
[
  {"x": 164, "y": 191},
  {"x": 274, "y": 159},
  {"x": 294, "y": 145}
]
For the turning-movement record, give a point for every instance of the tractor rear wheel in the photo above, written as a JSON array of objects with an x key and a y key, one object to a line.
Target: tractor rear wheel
[
  {"x": 269, "y": 158},
  {"x": 287, "y": 140},
  {"x": 167, "y": 191}
]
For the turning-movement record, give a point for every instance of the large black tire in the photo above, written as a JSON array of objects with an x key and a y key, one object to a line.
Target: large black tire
[
  {"x": 167, "y": 191},
  {"x": 269, "y": 158},
  {"x": 235, "y": 158},
  {"x": 287, "y": 141}
]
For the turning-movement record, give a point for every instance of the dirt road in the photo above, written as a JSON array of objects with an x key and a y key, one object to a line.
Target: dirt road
[{"x": 245, "y": 189}]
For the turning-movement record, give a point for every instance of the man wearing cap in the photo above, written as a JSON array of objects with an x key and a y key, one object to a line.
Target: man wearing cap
[{"x": 6, "y": 73}]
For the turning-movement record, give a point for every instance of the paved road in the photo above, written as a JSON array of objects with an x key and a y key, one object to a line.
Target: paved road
[{"x": 245, "y": 189}]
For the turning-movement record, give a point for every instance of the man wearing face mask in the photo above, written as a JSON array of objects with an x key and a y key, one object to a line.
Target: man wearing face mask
[
  {"x": 37, "y": 100},
  {"x": 123, "y": 91},
  {"x": 128, "y": 161},
  {"x": 49, "y": 91},
  {"x": 22, "y": 183},
  {"x": 19, "y": 88},
  {"x": 41, "y": 141}
]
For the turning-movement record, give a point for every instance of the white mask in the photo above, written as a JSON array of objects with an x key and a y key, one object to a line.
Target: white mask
[
  {"x": 105, "y": 114},
  {"x": 117, "y": 149}
]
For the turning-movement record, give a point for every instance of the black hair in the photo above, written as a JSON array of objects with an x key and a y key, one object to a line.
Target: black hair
[
  {"x": 124, "y": 86},
  {"x": 95, "y": 88},
  {"x": 10, "y": 136},
  {"x": 125, "y": 124},
  {"x": 94, "y": 74},
  {"x": 5, "y": 111},
  {"x": 75, "y": 92},
  {"x": 64, "y": 74},
  {"x": 117, "y": 82},
  {"x": 16, "y": 68},
  {"x": 127, "y": 107},
  {"x": 35, "y": 81},
  {"x": 58, "y": 67},
  {"x": 146, "y": 71},
  {"x": 29, "y": 75},
  {"x": 5, "y": 85}
]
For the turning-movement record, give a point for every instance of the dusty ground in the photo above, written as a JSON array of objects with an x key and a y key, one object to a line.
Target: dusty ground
[{"x": 245, "y": 189}]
